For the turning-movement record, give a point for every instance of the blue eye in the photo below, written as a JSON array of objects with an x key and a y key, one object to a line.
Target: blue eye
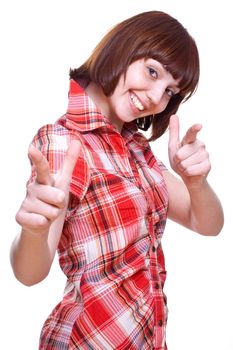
[{"x": 153, "y": 73}]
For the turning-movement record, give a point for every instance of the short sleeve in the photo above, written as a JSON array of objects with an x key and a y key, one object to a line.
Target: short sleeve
[
  {"x": 150, "y": 158},
  {"x": 161, "y": 165},
  {"x": 53, "y": 141}
]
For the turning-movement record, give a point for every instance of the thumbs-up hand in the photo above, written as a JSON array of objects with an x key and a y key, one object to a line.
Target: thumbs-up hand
[
  {"x": 47, "y": 196},
  {"x": 188, "y": 157}
]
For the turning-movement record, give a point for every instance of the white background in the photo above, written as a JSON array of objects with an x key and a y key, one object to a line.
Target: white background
[{"x": 40, "y": 41}]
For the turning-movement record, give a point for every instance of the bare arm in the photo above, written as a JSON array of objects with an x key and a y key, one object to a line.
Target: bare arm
[
  {"x": 192, "y": 202},
  {"x": 199, "y": 210},
  {"x": 41, "y": 217}
]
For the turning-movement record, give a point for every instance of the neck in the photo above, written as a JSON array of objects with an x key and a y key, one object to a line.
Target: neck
[
  {"x": 98, "y": 97},
  {"x": 102, "y": 102}
]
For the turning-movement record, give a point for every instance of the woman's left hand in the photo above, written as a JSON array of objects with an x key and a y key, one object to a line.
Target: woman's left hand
[{"x": 188, "y": 158}]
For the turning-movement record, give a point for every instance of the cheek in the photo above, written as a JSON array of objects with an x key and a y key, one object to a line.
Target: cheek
[
  {"x": 162, "y": 106},
  {"x": 117, "y": 103},
  {"x": 135, "y": 79}
]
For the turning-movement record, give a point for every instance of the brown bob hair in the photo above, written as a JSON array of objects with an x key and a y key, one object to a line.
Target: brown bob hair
[{"x": 152, "y": 34}]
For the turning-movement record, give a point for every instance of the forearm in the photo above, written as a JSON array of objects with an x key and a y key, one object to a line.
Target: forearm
[
  {"x": 30, "y": 257},
  {"x": 206, "y": 214},
  {"x": 32, "y": 252}
]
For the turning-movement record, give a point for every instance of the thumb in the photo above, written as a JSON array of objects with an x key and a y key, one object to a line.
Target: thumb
[
  {"x": 174, "y": 133},
  {"x": 70, "y": 160}
]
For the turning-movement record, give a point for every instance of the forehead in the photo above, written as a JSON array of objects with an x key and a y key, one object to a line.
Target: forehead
[{"x": 159, "y": 65}]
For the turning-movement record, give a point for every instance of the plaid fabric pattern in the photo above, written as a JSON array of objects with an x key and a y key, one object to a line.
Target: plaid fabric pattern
[{"x": 110, "y": 248}]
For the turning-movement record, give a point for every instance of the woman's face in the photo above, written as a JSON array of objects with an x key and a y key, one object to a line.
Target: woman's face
[{"x": 146, "y": 89}]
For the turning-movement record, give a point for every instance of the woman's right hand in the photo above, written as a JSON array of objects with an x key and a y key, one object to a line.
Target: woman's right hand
[
  {"x": 42, "y": 216},
  {"x": 47, "y": 196}
]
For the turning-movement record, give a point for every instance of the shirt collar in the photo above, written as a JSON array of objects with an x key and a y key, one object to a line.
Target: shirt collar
[{"x": 83, "y": 115}]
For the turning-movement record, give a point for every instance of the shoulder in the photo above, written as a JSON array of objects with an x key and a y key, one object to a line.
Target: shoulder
[
  {"x": 53, "y": 141},
  {"x": 51, "y": 135}
]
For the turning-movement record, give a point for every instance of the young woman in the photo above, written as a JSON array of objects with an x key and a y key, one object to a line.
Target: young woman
[{"x": 100, "y": 197}]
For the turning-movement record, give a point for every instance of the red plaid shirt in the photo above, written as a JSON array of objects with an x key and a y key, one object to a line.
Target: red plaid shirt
[{"x": 110, "y": 248}]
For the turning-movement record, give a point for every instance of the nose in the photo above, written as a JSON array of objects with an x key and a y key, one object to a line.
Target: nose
[{"x": 155, "y": 94}]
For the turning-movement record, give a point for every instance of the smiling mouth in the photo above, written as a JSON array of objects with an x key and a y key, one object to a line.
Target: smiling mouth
[{"x": 136, "y": 102}]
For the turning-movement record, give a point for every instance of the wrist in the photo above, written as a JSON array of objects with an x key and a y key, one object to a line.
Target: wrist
[
  {"x": 35, "y": 234},
  {"x": 197, "y": 183}
]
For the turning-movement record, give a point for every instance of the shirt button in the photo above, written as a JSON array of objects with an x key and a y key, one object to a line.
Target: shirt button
[
  {"x": 153, "y": 249},
  {"x": 156, "y": 286},
  {"x": 160, "y": 323}
]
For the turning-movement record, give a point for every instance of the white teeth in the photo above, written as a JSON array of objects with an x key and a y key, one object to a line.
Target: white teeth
[{"x": 136, "y": 102}]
